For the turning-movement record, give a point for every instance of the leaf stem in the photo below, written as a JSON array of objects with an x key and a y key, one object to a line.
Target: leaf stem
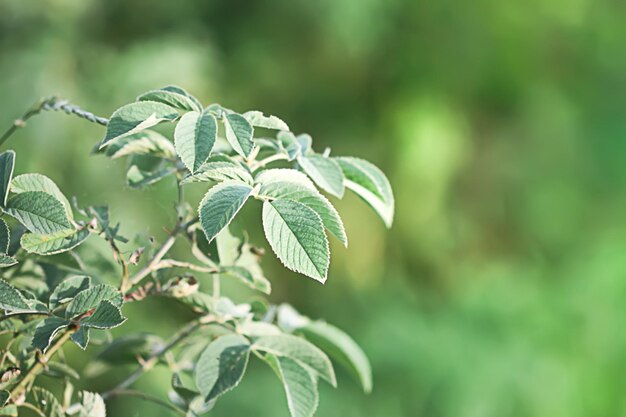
[{"x": 260, "y": 164}]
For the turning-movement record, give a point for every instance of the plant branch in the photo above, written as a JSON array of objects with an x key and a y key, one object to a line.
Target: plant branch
[{"x": 260, "y": 164}]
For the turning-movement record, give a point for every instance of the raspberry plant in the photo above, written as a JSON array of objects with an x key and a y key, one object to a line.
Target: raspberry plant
[{"x": 50, "y": 297}]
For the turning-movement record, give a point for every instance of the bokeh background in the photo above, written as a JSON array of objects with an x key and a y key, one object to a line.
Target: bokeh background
[{"x": 501, "y": 288}]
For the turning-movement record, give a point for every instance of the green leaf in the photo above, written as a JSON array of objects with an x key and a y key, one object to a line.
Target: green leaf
[
  {"x": 270, "y": 176},
  {"x": 55, "y": 243},
  {"x": 11, "y": 299},
  {"x": 46, "y": 402},
  {"x": 369, "y": 183},
  {"x": 106, "y": 316},
  {"x": 91, "y": 298},
  {"x": 256, "y": 282},
  {"x": 7, "y": 261},
  {"x": 220, "y": 205},
  {"x": 296, "y": 234},
  {"x": 172, "y": 96},
  {"x": 289, "y": 144},
  {"x": 239, "y": 134},
  {"x": 7, "y": 164},
  {"x": 68, "y": 289},
  {"x": 221, "y": 366},
  {"x": 258, "y": 119},
  {"x": 81, "y": 337},
  {"x": 5, "y": 237},
  {"x": 91, "y": 405},
  {"x": 135, "y": 117},
  {"x": 219, "y": 169},
  {"x": 299, "y": 384},
  {"x": 38, "y": 182},
  {"x": 325, "y": 172},
  {"x": 5, "y": 396},
  {"x": 39, "y": 212},
  {"x": 127, "y": 348},
  {"x": 194, "y": 138},
  {"x": 305, "y": 141},
  {"x": 139, "y": 178},
  {"x": 147, "y": 142},
  {"x": 310, "y": 198},
  {"x": 300, "y": 350},
  {"x": 9, "y": 410},
  {"x": 342, "y": 348},
  {"x": 46, "y": 330},
  {"x": 61, "y": 370}
]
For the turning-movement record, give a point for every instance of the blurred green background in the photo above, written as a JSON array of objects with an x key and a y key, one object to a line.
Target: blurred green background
[{"x": 500, "y": 289}]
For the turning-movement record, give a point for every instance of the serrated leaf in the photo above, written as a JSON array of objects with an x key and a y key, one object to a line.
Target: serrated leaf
[
  {"x": 194, "y": 138},
  {"x": 55, "y": 243},
  {"x": 219, "y": 169},
  {"x": 127, "y": 348},
  {"x": 91, "y": 405},
  {"x": 106, "y": 316},
  {"x": 38, "y": 182},
  {"x": 68, "y": 289},
  {"x": 147, "y": 142},
  {"x": 325, "y": 172},
  {"x": 221, "y": 366},
  {"x": 172, "y": 96},
  {"x": 5, "y": 237},
  {"x": 342, "y": 348},
  {"x": 46, "y": 330},
  {"x": 296, "y": 234},
  {"x": 39, "y": 212},
  {"x": 239, "y": 133},
  {"x": 81, "y": 337},
  {"x": 135, "y": 117},
  {"x": 7, "y": 164},
  {"x": 270, "y": 176},
  {"x": 46, "y": 402},
  {"x": 5, "y": 396},
  {"x": 369, "y": 183},
  {"x": 299, "y": 384},
  {"x": 300, "y": 350},
  {"x": 312, "y": 199},
  {"x": 91, "y": 298},
  {"x": 11, "y": 299},
  {"x": 7, "y": 261},
  {"x": 220, "y": 205},
  {"x": 258, "y": 119}
]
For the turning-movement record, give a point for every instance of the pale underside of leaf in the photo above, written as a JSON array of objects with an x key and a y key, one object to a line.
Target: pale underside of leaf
[
  {"x": 258, "y": 119},
  {"x": 239, "y": 134},
  {"x": 325, "y": 172},
  {"x": 194, "y": 138},
  {"x": 220, "y": 205}
]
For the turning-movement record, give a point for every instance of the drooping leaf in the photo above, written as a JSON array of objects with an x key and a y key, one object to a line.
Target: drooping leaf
[
  {"x": 305, "y": 141},
  {"x": 342, "y": 348},
  {"x": 299, "y": 350},
  {"x": 239, "y": 134},
  {"x": 310, "y": 198},
  {"x": 5, "y": 237},
  {"x": 219, "y": 169},
  {"x": 38, "y": 182},
  {"x": 61, "y": 370},
  {"x": 299, "y": 384},
  {"x": 7, "y": 164},
  {"x": 5, "y": 396},
  {"x": 145, "y": 170},
  {"x": 7, "y": 261},
  {"x": 81, "y": 337},
  {"x": 39, "y": 212},
  {"x": 47, "y": 403},
  {"x": 91, "y": 298},
  {"x": 46, "y": 330},
  {"x": 11, "y": 299},
  {"x": 369, "y": 183},
  {"x": 91, "y": 405},
  {"x": 147, "y": 142},
  {"x": 221, "y": 366},
  {"x": 220, "y": 205},
  {"x": 289, "y": 145},
  {"x": 135, "y": 117},
  {"x": 296, "y": 234},
  {"x": 55, "y": 243},
  {"x": 325, "y": 172},
  {"x": 194, "y": 138},
  {"x": 172, "y": 96},
  {"x": 68, "y": 289},
  {"x": 258, "y": 119},
  {"x": 106, "y": 316}
]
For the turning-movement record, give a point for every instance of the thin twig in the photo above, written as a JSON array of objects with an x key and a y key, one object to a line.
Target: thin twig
[{"x": 146, "y": 397}]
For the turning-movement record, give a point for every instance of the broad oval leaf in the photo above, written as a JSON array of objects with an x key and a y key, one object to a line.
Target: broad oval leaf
[
  {"x": 68, "y": 289},
  {"x": 11, "y": 299},
  {"x": 52, "y": 244},
  {"x": 325, "y": 172},
  {"x": 220, "y": 205},
  {"x": 7, "y": 164},
  {"x": 258, "y": 119},
  {"x": 39, "y": 212},
  {"x": 91, "y": 298},
  {"x": 5, "y": 237},
  {"x": 91, "y": 405},
  {"x": 135, "y": 117},
  {"x": 341, "y": 347},
  {"x": 274, "y": 175},
  {"x": 7, "y": 261},
  {"x": 296, "y": 234},
  {"x": 221, "y": 366},
  {"x": 46, "y": 330},
  {"x": 300, "y": 350},
  {"x": 194, "y": 138},
  {"x": 147, "y": 142},
  {"x": 38, "y": 182},
  {"x": 239, "y": 133},
  {"x": 219, "y": 169},
  {"x": 172, "y": 96},
  {"x": 369, "y": 183},
  {"x": 106, "y": 316}
]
